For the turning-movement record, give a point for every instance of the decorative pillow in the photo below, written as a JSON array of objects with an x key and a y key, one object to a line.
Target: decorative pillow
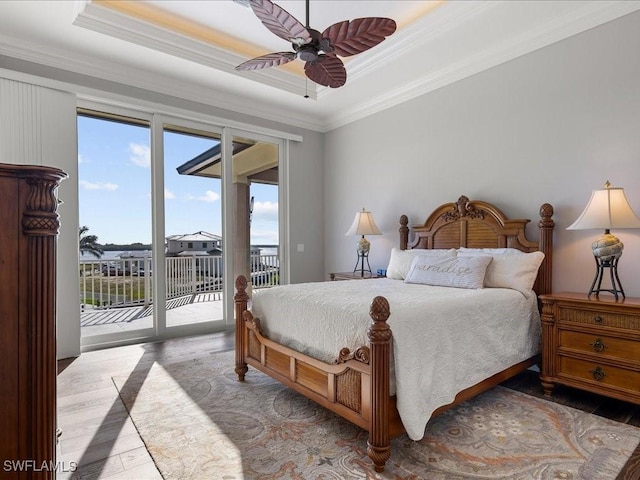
[
  {"x": 459, "y": 272},
  {"x": 511, "y": 268},
  {"x": 400, "y": 260}
]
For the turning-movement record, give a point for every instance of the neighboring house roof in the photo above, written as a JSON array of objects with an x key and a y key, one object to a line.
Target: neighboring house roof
[
  {"x": 209, "y": 157},
  {"x": 195, "y": 237},
  {"x": 193, "y": 253}
]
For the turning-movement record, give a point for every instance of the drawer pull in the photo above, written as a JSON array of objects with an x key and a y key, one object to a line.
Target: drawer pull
[
  {"x": 598, "y": 346},
  {"x": 598, "y": 374},
  {"x": 597, "y": 319}
]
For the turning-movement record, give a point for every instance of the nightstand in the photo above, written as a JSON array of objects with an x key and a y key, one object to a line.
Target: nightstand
[
  {"x": 352, "y": 276},
  {"x": 592, "y": 344}
]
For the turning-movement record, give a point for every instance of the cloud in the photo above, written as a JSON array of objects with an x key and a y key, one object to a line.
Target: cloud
[
  {"x": 267, "y": 211},
  {"x": 81, "y": 159},
  {"x": 168, "y": 194},
  {"x": 209, "y": 196},
  {"x": 140, "y": 155},
  {"x": 98, "y": 185}
]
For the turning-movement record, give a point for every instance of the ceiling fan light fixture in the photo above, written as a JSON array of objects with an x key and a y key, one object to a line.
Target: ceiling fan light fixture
[
  {"x": 308, "y": 54},
  {"x": 318, "y": 50}
]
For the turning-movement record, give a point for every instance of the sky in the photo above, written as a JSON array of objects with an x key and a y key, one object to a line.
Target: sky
[{"x": 115, "y": 187}]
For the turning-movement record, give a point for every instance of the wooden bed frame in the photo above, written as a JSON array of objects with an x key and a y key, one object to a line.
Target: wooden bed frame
[{"x": 357, "y": 386}]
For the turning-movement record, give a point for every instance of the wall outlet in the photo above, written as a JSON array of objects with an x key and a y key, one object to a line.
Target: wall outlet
[{"x": 301, "y": 247}]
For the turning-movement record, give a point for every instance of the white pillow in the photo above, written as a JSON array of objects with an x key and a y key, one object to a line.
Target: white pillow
[
  {"x": 459, "y": 272},
  {"x": 511, "y": 268},
  {"x": 400, "y": 260}
]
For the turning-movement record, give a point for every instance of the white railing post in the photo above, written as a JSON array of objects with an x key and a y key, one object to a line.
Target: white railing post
[
  {"x": 147, "y": 280},
  {"x": 170, "y": 267},
  {"x": 193, "y": 274}
]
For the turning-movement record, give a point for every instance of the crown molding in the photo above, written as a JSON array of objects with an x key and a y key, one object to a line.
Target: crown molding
[
  {"x": 139, "y": 78},
  {"x": 591, "y": 15},
  {"x": 105, "y": 20}
]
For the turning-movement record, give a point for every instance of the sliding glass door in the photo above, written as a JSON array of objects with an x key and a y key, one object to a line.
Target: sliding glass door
[{"x": 172, "y": 210}]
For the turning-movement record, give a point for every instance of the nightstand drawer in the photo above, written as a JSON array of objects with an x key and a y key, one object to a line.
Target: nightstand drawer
[
  {"x": 599, "y": 344},
  {"x": 593, "y": 317},
  {"x": 600, "y": 373}
]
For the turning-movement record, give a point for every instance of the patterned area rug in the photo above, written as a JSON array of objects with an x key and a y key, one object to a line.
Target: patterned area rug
[{"x": 198, "y": 422}]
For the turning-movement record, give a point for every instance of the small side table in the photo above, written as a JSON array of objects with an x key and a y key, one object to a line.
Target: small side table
[{"x": 352, "y": 276}]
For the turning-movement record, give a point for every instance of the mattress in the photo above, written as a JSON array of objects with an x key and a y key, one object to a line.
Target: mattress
[{"x": 444, "y": 339}]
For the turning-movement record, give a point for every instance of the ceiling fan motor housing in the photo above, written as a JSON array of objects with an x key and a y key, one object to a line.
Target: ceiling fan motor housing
[{"x": 308, "y": 52}]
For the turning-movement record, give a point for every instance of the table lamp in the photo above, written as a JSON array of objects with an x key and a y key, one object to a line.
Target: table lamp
[
  {"x": 363, "y": 224},
  {"x": 607, "y": 209}
]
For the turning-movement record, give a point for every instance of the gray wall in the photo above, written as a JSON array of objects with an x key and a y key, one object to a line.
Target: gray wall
[
  {"x": 546, "y": 127},
  {"x": 306, "y": 209}
]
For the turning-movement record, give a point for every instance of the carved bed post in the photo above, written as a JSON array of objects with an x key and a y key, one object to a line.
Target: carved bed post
[
  {"x": 404, "y": 232},
  {"x": 379, "y": 444},
  {"x": 548, "y": 361},
  {"x": 546, "y": 226},
  {"x": 241, "y": 300}
]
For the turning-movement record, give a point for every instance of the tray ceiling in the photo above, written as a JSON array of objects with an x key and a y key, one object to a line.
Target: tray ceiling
[{"x": 189, "y": 48}]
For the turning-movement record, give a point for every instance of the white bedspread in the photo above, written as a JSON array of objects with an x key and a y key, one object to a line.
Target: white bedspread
[{"x": 444, "y": 339}]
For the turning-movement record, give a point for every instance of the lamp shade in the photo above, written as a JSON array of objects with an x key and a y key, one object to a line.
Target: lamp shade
[
  {"x": 363, "y": 224},
  {"x": 607, "y": 209}
]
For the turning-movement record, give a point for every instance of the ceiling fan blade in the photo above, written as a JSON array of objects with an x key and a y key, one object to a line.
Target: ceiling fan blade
[
  {"x": 327, "y": 70},
  {"x": 350, "y": 37},
  {"x": 267, "y": 61},
  {"x": 280, "y": 22}
]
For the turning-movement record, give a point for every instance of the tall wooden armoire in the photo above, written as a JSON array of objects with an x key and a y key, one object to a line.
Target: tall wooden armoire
[{"x": 28, "y": 230}]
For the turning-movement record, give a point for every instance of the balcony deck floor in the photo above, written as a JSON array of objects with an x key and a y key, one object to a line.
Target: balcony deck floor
[{"x": 188, "y": 309}]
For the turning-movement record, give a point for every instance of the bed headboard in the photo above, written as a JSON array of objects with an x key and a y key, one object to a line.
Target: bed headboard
[{"x": 478, "y": 224}]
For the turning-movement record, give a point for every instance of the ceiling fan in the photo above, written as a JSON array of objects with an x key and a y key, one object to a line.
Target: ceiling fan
[{"x": 318, "y": 50}]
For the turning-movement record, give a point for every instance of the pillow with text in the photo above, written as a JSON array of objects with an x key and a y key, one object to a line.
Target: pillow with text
[{"x": 458, "y": 272}]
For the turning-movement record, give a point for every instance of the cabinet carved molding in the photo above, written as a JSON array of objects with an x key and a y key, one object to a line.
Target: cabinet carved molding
[{"x": 29, "y": 226}]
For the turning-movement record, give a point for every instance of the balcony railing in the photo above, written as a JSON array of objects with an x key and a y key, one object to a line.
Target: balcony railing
[{"x": 129, "y": 282}]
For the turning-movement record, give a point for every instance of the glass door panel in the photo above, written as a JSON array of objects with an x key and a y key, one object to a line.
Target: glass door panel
[
  {"x": 254, "y": 200},
  {"x": 193, "y": 226},
  {"x": 115, "y": 225}
]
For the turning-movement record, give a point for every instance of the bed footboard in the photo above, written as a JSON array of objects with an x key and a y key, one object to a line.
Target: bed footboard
[{"x": 356, "y": 387}]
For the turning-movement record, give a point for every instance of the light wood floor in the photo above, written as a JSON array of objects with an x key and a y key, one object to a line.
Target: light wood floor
[{"x": 97, "y": 434}]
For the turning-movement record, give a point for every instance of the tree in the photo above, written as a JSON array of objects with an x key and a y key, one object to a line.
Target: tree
[{"x": 89, "y": 243}]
